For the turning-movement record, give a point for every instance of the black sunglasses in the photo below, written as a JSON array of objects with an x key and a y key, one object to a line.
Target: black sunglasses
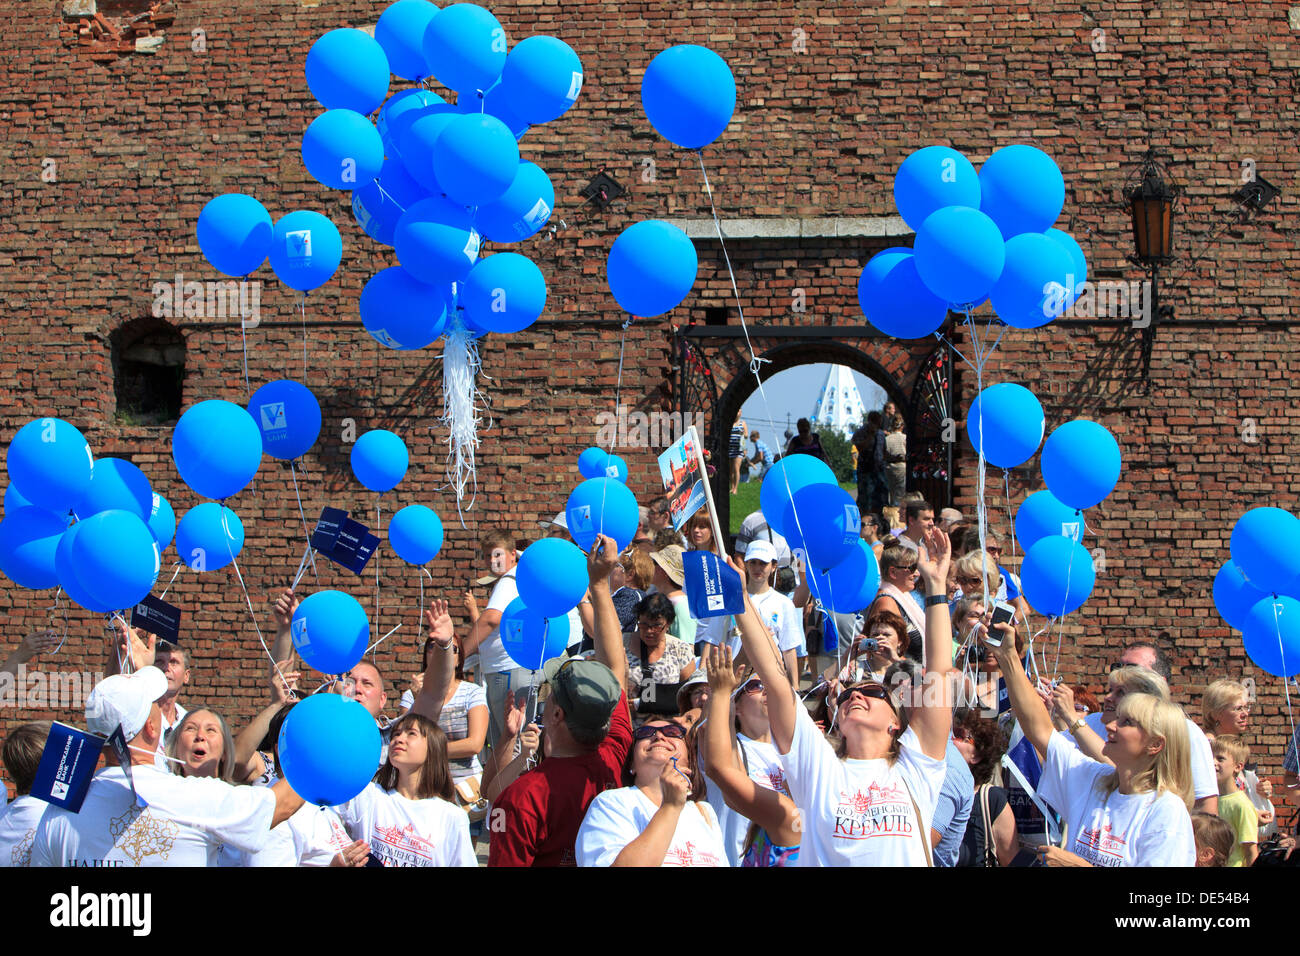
[
  {"x": 647, "y": 731},
  {"x": 877, "y": 691}
]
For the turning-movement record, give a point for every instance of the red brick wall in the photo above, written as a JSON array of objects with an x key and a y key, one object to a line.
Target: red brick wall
[{"x": 142, "y": 142}]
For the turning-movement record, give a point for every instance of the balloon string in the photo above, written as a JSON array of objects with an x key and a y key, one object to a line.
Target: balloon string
[
  {"x": 303, "y": 515},
  {"x": 302, "y": 566},
  {"x": 755, "y": 363},
  {"x": 302, "y": 306},
  {"x": 376, "y": 560},
  {"x": 225, "y": 528},
  {"x": 618, "y": 390},
  {"x": 243, "y": 334},
  {"x": 419, "y": 624},
  {"x": 176, "y": 569},
  {"x": 382, "y": 639},
  {"x": 53, "y": 609},
  {"x": 1286, "y": 681}
]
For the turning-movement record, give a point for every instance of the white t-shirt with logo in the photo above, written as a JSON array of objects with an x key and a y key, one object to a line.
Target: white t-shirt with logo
[
  {"x": 317, "y": 834},
  {"x": 777, "y": 612},
  {"x": 184, "y": 822},
  {"x": 402, "y": 832},
  {"x": 17, "y": 829},
  {"x": 1204, "y": 781},
  {"x": 1116, "y": 829},
  {"x": 764, "y": 766},
  {"x": 492, "y": 652},
  {"x": 617, "y": 817},
  {"x": 859, "y": 812}
]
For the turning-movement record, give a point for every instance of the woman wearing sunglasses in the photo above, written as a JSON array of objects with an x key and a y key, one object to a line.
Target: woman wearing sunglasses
[
  {"x": 662, "y": 819},
  {"x": 870, "y": 800}
]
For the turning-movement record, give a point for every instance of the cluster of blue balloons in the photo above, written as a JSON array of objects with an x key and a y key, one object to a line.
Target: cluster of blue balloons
[
  {"x": 804, "y": 503},
  {"x": 435, "y": 174},
  {"x": 236, "y": 236},
  {"x": 1080, "y": 463},
  {"x": 94, "y": 528},
  {"x": 979, "y": 236},
  {"x": 1257, "y": 591}
]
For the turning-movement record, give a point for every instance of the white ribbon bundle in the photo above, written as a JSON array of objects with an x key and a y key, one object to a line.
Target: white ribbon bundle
[{"x": 461, "y": 401}]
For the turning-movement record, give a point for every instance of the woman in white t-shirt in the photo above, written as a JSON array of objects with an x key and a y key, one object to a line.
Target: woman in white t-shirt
[
  {"x": 662, "y": 819},
  {"x": 870, "y": 800},
  {"x": 406, "y": 815},
  {"x": 1130, "y": 812}
]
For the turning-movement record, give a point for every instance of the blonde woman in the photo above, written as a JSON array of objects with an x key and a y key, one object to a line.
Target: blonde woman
[
  {"x": 1225, "y": 709},
  {"x": 1132, "y": 811}
]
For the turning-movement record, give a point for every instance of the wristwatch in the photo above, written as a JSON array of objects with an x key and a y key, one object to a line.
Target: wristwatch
[
  {"x": 1075, "y": 726},
  {"x": 934, "y": 600}
]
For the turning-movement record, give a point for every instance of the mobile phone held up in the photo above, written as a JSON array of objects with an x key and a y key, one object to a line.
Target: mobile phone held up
[{"x": 1003, "y": 613}]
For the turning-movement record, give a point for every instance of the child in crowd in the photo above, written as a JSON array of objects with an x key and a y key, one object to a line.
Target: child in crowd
[
  {"x": 1230, "y": 756},
  {"x": 1215, "y": 839}
]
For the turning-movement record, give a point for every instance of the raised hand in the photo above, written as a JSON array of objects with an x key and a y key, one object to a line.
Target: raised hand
[
  {"x": 674, "y": 786},
  {"x": 515, "y": 713},
  {"x": 530, "y": 740},
  {"x": 603, "y": 557},
  {"x": 284, "y": 682},
  {"x": 38, "y": 643},
  {"x": 719, "y": 668},
  {"x": 470, "y": 603},
  {"x": 131, "y": 646},
  {"x": 285, "y": 605},
  {"x": 933, "y": 562},
  {"x": 441, "y": 629},
  {"x": 354, "y": 854}
]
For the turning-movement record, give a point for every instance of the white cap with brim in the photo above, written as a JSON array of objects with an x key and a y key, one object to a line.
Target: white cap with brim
[
  {"x": 125, "y": 699},
  {"x": 761, "y": 550},
  {"x": 559, "y": 520}
]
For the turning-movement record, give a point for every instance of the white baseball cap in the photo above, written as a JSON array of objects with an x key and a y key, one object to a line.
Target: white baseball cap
[
  {"x": 760, "y": 550},
  {"x": 125, "y": 699},
  {"x": 559, "y": 520}
]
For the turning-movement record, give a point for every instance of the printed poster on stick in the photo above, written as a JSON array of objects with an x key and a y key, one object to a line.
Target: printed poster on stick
[{"x": 685, "y": 483}]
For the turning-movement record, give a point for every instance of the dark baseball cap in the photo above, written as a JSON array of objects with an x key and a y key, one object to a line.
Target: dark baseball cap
[{"x": 587, "y": 692}]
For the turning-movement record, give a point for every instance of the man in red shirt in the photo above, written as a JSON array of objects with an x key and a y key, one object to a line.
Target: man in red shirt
[{"x": 588, "y": 733}]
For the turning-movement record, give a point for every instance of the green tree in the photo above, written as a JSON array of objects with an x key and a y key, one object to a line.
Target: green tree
[{"x": 839, "y": 454}]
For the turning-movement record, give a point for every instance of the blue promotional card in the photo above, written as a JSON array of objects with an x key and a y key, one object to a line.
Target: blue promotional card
[
  {"x": 67, "y": 766},
  {"x": 365, "y": 549},
  {"x": 327, "y": 529},
  {"x": 155, "y": 616},
  {"x": 712, "y": 588}
]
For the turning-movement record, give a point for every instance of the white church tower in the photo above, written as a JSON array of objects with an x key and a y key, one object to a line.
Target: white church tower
[{"x": 840, "y": 405}]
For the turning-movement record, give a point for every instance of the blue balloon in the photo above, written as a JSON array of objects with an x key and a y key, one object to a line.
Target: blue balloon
[
  {"x": 652, "y": 268},
  {"x": 116, "y": 558},
  {"x": 434, "y": 241},
  {"x": 542, "y": 78},
  {"x": 786, "y": 477},
  {"x": 688, "y": 94},
  {"x": 522, "y": 210},
  {"x": 234, "y": 233},
  {"x": 504, "y": 293},
  {"x": 959, "y": 254},
  {"x": 400, "y": 32},
  {"x": 50, "y": 464},
  {"x": 217, "y": 448},
  {"x": 598, "y": 463},
  {"x": 552, "y": 576},
  {"x": 1265, "y": 545},
  {"x": 465, "y": 47},
  {"x": 1234, "y": 596},
  {"x": 1272, "y": 635},
  {"x": 29, "y": 538},
  {"x": 161, "y": 521},
  {"x": 475, "y": 159},
  {"x": 602, "y": 506},
  {"x": 931, "y": 178},
  {"x": 65, "y": 565},
  {"x": 288, "y": 416},
  {"x": 209, "y": 537},
  {"x": 379, "y": 461},
  {"x": 346, "y": 69},
  {"x": 342, "y": 150},
  {"x": 329, "y": 749},
  {"x": 415, "y": 533},
  {"x": 378, "y": 205},
  {"x": 895, "y": 300},
  {"x": 1033, "y": 288},
  {"x": 116, "y": 485},
  {"x": 401, "y": 312},
  {"x": 851, "y": 585},
  {"x": 1021, "y": 189},
  {"x": 530, "y": 639},
  {"x": 1057, "y": 576},
  {"x": 1078, "y": 261},
  {"x": 330, "y": 631},
  {"x": 306, "y": 250},
  {"x": 1041, "y": 516},
  {"x": 822, "y": 521},
  {"x": 1080, "y": 463},
  {"x": 407, "y": 108},
  {"x": 1008, "y": 418},
  {"x": 14, "y": 500},
  {"x": 418, "y": 143}
]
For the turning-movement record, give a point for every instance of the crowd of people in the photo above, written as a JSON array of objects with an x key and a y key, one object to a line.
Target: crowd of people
[{"x": 915, "y": 732}]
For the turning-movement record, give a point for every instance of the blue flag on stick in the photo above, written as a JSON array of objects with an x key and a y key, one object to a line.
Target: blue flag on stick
[{"x": 712, "y": 588}]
